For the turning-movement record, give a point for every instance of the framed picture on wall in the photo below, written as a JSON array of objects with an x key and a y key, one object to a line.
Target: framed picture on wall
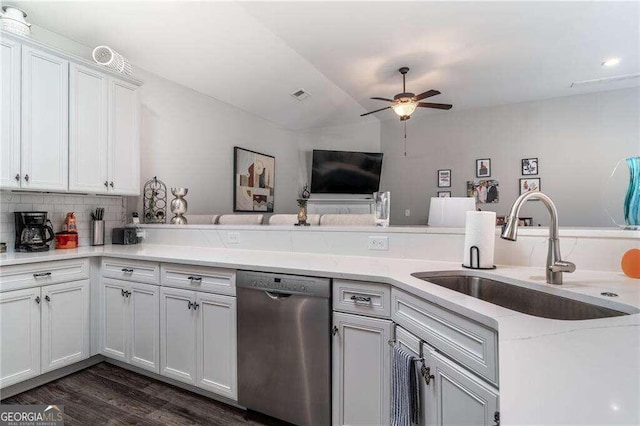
[
  {"x": 529, "y": 166},
  {"x": 444, "y": 194},
  {"x": 483, "y": 167},
  {"x": 529, "y": 184},
  {"x": 253, "y": 181},
  {"x": 444, "y": 178}
]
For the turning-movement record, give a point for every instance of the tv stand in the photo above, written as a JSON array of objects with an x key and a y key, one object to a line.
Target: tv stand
[{"x": 339, "y": 205}]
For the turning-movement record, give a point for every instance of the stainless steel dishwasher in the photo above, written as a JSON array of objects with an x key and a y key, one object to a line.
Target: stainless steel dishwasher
[{"x": 284, "y": 352}]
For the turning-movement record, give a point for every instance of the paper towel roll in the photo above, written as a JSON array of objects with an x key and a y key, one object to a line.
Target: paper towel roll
[{"x": 480, "y": 231}]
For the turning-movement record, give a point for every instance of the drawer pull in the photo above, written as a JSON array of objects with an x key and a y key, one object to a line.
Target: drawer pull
[
  {"x": 47, "y": 298},
  {"x": 42, "y": 274},
  {"x": 426, "y": 373},
  {"x": 38, "y": 299},
  {"x": 197, "y": 280},
  {"x": 127, "y": 270},
  {"x": 361, "y": 299}
]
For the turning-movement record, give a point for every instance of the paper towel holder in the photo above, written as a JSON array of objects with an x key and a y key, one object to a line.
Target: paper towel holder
[{"x": 477, "y": 251}]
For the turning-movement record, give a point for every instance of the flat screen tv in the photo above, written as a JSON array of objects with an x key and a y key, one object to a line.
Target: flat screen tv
[{"x": 345, "y": 172}]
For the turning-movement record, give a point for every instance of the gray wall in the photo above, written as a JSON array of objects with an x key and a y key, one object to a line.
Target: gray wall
[{"x": 578, "y": 140}]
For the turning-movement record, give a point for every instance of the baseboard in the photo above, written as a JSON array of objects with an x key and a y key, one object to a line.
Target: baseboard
[
  {"x": 42, "y": 379},
  {"x": 174, "y": 382}
]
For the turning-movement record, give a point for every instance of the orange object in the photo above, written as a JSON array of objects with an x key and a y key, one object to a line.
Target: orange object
[
  {"x": 631, "y": 263},
  {"x": 66, "y": 240}
]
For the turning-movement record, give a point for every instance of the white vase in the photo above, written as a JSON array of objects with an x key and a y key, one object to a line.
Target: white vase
[{"x": 12, "y": 20}]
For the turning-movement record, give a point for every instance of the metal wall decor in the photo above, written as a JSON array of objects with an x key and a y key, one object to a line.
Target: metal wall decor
[{"x": 155, "y": 201}]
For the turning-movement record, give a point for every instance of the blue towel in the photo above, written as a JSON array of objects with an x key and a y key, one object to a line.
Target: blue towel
[{"x": 405, "y": 405}]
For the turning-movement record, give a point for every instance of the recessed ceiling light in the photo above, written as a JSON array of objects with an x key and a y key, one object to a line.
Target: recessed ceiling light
[{"x": 611, "y": 62}]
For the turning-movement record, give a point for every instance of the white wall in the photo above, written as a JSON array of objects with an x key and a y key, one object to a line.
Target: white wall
[{"x": 578, "y": 140}]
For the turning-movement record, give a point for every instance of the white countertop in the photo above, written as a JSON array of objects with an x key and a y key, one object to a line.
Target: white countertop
[{"x": 551, "y": 371}]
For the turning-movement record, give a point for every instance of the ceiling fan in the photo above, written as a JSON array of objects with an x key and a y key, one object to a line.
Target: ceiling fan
[{"x": 405, "y": 103}]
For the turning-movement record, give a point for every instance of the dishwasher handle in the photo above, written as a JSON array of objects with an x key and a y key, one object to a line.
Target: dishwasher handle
[{"x": 277, "y": 296}]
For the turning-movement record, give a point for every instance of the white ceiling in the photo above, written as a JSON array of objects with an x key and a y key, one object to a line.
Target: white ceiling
[{"x": 254, "y": 54}]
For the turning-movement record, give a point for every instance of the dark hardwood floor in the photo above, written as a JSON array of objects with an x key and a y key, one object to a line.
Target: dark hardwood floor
[{"x": 108, "y": 395}]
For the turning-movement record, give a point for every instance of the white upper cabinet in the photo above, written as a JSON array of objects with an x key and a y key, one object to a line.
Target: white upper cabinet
[
  {"x": 45, "y": 107},
  {"x": 88, "y": 131},
  {"x": 9, "y": 114},
  {"x": 124, "y": 143}
]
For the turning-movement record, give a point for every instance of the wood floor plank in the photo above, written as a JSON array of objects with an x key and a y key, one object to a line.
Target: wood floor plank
[{"x": 105, "y": 394}]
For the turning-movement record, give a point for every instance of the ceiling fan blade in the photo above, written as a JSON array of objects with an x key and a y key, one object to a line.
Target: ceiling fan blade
[
  {"x": 371, "y": 112},
  {"x": 436, "y": 106},
  {"x": 427, "y": 94},
  {"x": 383, "y": 99}
]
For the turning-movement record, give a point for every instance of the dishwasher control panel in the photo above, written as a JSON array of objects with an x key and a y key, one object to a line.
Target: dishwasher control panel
[{"x": 287, "y": 284}]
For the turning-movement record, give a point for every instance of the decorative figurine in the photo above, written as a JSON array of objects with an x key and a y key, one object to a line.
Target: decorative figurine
[{"x": 179, "y": 206}]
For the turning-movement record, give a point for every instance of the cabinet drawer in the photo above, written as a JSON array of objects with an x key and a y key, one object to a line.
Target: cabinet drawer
[
  {"x": 44, "y": 273},
  {"x": 362, "y": 297},
  {"x": 199, "y": 278},
  {"x": 471, "y": 344},
  {"x": 131, "y": 270}
]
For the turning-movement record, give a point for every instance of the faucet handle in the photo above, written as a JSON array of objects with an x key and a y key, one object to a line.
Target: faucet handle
[{"x": 562, "y": 266}]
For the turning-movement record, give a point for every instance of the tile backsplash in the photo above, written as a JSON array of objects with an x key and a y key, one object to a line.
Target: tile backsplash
[{"x": 57, "y": 206}]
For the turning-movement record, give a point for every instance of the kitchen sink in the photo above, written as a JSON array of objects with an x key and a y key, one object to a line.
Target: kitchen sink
[{"x": 521, "y": 299}]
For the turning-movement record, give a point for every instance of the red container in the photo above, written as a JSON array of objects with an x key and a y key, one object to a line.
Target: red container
[{"x": 66, "y": 240}]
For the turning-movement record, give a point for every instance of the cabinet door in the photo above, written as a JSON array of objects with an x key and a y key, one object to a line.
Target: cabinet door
[
  {"x": 10, "y": 114},
  {"x": 65, "y": 324},
  {"x": 178, "y": 334},
  {"x": 144, "y": 326},
  {"x": 45, "y": 102},
  {"x": 216, "y": 344},
  {"x": 19, "y": 335},
  {"x": 455, "y": 396},
  {"x": 88, "y": 137},
  {"x": 124, "y": 139},
  {"x": 114, "y": 319},
  {"x": 361, "y": 370}
]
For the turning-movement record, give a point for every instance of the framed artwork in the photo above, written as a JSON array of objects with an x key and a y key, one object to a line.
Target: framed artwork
[
  {"x": 529, "y": 184},
  {"x": 485, "y": 191},
  {"x": 444, "y": 194},
  {"x": 444, "y": 178},
  {"x": 483, "y": 167},
  {"x": 529, "y": 166},
  {"x": 253, "y": 181}
]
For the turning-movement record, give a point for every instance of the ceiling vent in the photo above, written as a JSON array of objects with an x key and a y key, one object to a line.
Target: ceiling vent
[
  {"x": 604, "y": 80},
  {"x": 301, "y": 94}
]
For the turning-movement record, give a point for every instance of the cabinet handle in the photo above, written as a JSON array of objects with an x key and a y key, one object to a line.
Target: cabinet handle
[
  {"x": 47, "y": 298},
  {"x": 196, "y": 306},
  {"x": 106, "y": 184},
  {"x": 189, "y": 304},
  {"x": 496, "y": 418},
  {"x": 26, "y": 177},
  {"x": 122, "y": 292},
  {"x": 38, "y": 299},
  {"x": 42, "y": 274},
  {"x": 17, "y": 177},
  {"x": 127, "y": 293},
  {"x": 195, "y": 279},
  {"x": 426, "y": 373},
  {"x": 127, "y": 270},
  {"x": 111, "y": 184},
  {"x": 361, "y": 299},
  {"x": 334, "y": 330}
]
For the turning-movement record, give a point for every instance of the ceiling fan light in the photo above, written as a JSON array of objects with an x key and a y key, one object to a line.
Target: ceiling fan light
[{"x": 404, "y": 107}]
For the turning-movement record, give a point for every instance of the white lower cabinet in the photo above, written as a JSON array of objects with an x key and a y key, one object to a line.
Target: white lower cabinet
[
  {"x": 452, "y": 395},
  {"x": 198, "y": 339},
  {"x": 66, "y": 325},
  {"x": 19, "y": 335},
  {"x": 130, "y": 323},
  {"x": 361, "y": 370}
]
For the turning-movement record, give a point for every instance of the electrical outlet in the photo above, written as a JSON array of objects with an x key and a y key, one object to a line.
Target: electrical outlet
[
  {"x": 233, "y": 237},
  {"x": 407, "y": 212},
  {"x": 378, "y": 243}
]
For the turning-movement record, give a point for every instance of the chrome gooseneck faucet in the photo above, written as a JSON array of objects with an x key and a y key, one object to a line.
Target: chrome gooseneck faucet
[{"x": 555, "y": 265}]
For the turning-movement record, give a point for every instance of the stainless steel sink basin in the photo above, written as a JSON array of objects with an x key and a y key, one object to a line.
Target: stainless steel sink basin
[{"x": 521, "y": 299}]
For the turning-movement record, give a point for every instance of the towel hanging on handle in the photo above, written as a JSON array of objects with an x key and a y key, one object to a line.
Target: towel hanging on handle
[{"x": 405, "y": 400}]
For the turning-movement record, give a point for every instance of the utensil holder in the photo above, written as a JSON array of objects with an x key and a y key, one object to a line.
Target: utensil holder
[{"x": 97, "y": 232}]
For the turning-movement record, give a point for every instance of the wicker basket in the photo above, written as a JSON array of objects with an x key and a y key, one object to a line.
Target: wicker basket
[{"x": 108, "y": 57}]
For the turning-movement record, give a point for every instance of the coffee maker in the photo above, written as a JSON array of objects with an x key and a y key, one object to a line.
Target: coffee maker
[{"x": 33, "y": 231}]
